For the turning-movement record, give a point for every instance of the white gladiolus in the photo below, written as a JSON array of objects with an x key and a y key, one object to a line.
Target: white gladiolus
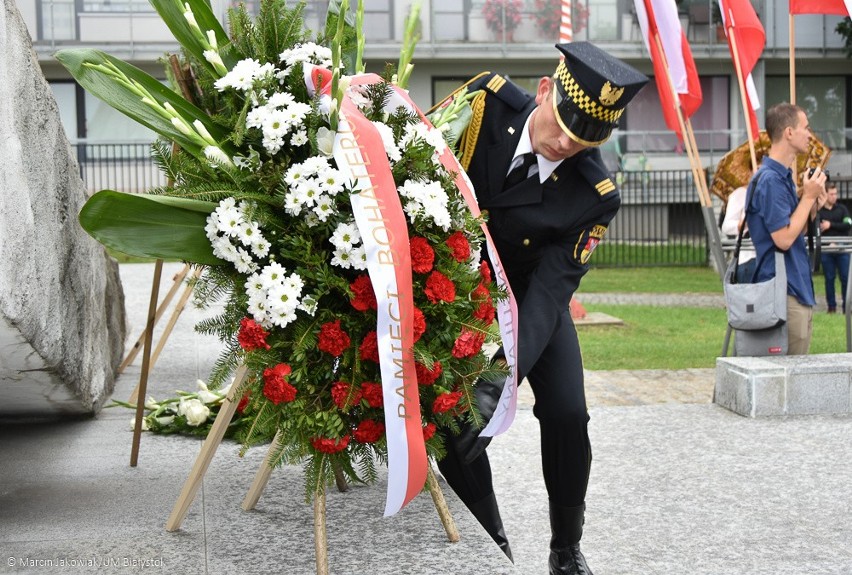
[{"x": 195, "y": 412}]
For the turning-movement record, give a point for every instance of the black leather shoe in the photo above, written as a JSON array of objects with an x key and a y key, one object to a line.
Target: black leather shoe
[
  {"x": 488, "y": 515},
  {"x": 568, "y": 561}
]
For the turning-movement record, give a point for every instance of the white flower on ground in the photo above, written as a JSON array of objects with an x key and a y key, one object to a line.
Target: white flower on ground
[
  {"x": 144, "y": 424},
  {"x": 165, "y": 420},
  {"x": 151, "y": 403},
  {"x": 195, "y": 412},
  {"x": 204, "y": 394}
]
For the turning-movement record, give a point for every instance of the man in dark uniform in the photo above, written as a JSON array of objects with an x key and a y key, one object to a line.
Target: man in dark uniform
[{"x": 545, "y": 222}]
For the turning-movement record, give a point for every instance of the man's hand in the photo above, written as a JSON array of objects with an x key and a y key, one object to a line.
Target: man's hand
[
  {"x": 824, "y": 225},
  {"x": 814, "y": 186}
]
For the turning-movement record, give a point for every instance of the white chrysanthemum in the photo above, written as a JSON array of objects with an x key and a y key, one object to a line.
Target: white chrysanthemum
[
  {"x": 272, "y": 274},
  {"x": 296, "y": 173},
  {"x": 256, "y": 117},
  {"x": 308, "y": 192},
  {"x": 244, "y": 262},
  {"x": 428, "y": 200},
  {"x": 224, "y": 249},
  {"x": 359, "y": 257},
  {"x": 241, "y": 77},
  {"x": 280, "y": 100},
  {"x": 296, "y": 112},
  {"x": 299, "y": 138},
  {"x": 342, "y": 258},
  {"x": 295, "y": 283},
  {"x": 324, "y": 207},
  {"x": 229, "y": 219},
  {"x": 309, "y": 305},
  {"x": 307, "y": 52},
  {"x": 260, "y": 247},
  {"x": 276, "y": 124},
  {"x": 254, "y": 286},
  {"x": 272, "y": 145},
  {"x": 315, "y": 164},
  {"x": 345, "y": 235},
  {"x": 331, "y": 181},
  {"x": 292, "y": 205},
  {"x": 248, "y": 232},
  {"x": 212, "y": 227},
  {"x": 282, "y": 318},
  {"x": 280, "y": 298},
  {"x": 257, "y": 307},
  {"x": 391, "y": 148}
]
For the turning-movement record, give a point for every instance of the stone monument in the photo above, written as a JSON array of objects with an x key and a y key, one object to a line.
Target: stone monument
[{"x": 62, "y": 323}]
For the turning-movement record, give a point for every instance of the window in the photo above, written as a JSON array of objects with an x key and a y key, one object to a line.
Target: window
[
  {"x": 824, "y": 98},
  {"x": 647, "y": 129}
]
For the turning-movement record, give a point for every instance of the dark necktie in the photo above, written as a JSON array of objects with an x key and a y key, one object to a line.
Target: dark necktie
[{"x": 520, "y": 173}]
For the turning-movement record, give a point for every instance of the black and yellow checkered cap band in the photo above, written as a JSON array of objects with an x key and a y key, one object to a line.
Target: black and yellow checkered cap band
[{"x": 580, "y": 114}]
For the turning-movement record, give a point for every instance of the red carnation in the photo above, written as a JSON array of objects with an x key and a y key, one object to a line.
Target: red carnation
[
  {"x": 362, "y": 289},
  {"x": 252, "y": 335},
  {"x": 372, "y": 392},
  {"x": 459, "y": 246},
  {"x": 468, "y": 343},
  {"x": 332, "y": 339},
  {"x": 480, "y": 293},
  {"x": 422, "y": 255},
  {"x": 485, "y": 272},
  {"x": 244, "y": 401},
  {"x": 426, "y": 376},
  {"x": 275, "y": 388},
  {"x": 428, "y": 431},
  {"x": 419, "y": 324},
  {"x": 446, "y": 401},
  {"x": 485, "y": 312},
  {"x": 369, "y": 349},
  {"x": 369, "y": 431},
  {"x": 329, "y": 445},
  {"x": 340, "y": 391},
  {"x": 440, "y": 288}
]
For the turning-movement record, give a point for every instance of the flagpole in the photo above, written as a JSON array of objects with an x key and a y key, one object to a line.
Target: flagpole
[
  {"x": 691, "y": 151},
  {"x": 741, "y": 81},
  {"x": 792, "y": 60}
]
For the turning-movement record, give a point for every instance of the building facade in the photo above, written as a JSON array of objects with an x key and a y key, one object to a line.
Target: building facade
[{"x": 462, "y": 37}]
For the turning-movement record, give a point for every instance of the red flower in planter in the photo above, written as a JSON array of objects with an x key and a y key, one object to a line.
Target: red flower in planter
[
  {"x": 332, "y": 339},
  {"x": 362, "y": 289},
  {"x": 422, "y": 255},
  {"x": 372, "y": 392},
  {"x": 275, "y": 388},
  {"x": 329, "y": 445},
  {"x": 459, "y": 246},
  {"x": 426, "y": 376},
  {"x": 340, "y": 391},
  {"x": 446, "y": 401},
  {"x": 369, "y": 349},
  {"x": 369, "y": 431},
  {"x": 252, "y": 335},
  {"x": 468, "y": 343},
  {"x": 440, "y": 288}
]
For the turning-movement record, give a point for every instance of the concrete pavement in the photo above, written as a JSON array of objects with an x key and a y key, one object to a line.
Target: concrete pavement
[{"x": 678, "y": 486}]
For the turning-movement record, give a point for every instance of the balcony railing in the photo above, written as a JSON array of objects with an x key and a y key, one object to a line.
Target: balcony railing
[{"x": 444, "y": 22}]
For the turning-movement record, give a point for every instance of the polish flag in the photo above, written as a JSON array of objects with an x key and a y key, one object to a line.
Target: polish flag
[
  {"x": 741, "y": 21},
  {"x": 838, "y": 7},
  {"x": 660, "y": 18}
]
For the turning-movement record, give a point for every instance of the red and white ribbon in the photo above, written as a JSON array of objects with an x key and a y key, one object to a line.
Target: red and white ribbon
[{"x": 507, "y": 309}]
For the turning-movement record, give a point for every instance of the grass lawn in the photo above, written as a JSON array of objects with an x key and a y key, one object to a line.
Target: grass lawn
[{"x": 678, "y": 337}]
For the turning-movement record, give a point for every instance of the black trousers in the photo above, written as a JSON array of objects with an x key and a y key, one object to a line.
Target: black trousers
[{"x": 560, "y": 407}]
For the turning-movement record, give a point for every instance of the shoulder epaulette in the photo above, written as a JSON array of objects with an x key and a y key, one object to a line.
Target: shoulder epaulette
[
  {"x": 592, "y": 168},
  {"x": 507, "y": 91}
]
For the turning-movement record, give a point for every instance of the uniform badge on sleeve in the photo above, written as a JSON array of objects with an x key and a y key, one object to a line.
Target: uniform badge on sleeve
[{"x": 588, "y": 241}]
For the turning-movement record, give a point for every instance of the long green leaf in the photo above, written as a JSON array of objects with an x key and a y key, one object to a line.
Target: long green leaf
[
  {"x": 150, "y": 226},
  {"x": 171, "y": 11},
  {"x": 79, "y": 63}
]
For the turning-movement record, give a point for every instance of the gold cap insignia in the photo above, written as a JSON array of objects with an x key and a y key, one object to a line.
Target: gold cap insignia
[{"x": 610, "y": 95}]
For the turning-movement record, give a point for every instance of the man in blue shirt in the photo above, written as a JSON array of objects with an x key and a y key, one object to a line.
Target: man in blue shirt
[{"x": 777, "y": 218}]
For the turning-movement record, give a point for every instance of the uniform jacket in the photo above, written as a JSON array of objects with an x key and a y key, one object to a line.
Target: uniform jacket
[{"x": 544, "y": 232}]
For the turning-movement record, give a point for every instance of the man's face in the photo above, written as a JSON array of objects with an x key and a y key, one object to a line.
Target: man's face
[
  {"x": 831, "y": 197},
  {"x": 547, "y": 136},
  {"x": 801, "y": 134}
]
